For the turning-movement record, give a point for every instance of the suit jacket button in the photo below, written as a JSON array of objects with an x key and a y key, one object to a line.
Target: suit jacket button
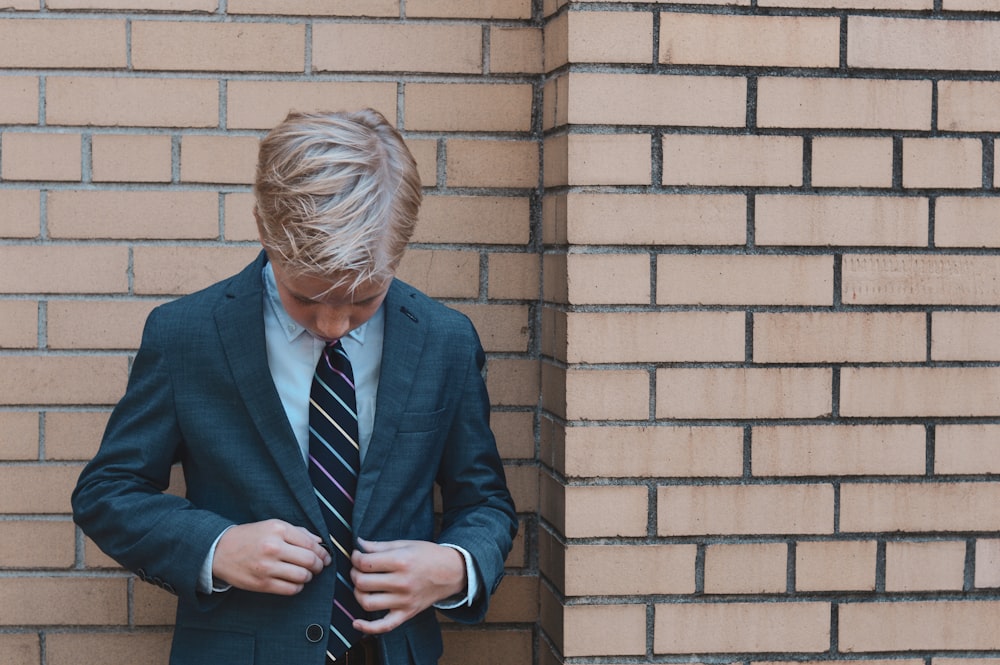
[{"x": 314, "y": 633}]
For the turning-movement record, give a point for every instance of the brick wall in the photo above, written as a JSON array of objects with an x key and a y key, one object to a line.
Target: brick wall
[{"x": 734, "y": 265}]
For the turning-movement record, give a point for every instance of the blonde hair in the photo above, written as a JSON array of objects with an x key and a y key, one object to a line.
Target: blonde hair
[{"x": 337, "y": 196}]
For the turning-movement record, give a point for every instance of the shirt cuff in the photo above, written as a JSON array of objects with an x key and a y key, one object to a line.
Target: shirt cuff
[
  {"x": 472, "y": 590},
  {"x": 207, "y": 584}
]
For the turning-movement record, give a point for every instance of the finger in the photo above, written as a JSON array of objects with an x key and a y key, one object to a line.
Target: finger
[
  {"x": 305, "y": 539},
  {"x": 389, "y": 622}
]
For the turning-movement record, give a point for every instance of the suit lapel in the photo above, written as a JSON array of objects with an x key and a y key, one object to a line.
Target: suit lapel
[
  {"x": 401, "y": 349},
  {"x": 240, "y": 321}
]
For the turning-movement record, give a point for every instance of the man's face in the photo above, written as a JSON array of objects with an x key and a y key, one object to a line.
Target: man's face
[{"x": 327, "y": 313}]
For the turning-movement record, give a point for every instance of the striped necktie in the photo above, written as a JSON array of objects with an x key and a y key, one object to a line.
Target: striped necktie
[{"x": 334, "y": 461}]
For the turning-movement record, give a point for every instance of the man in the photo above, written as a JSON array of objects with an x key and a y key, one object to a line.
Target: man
[{"x": 233, "y": 382}]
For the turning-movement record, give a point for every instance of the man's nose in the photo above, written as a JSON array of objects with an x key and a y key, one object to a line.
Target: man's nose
[{"x": 333, "y": 322}]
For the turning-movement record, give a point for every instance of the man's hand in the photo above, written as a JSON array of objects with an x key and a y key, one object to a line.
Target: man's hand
[
  {"x": 270, "y": 557},
  {"x": 404, "y": 577}
]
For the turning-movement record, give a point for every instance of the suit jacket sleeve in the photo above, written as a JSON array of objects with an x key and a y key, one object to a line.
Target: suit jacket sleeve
[
  {"x": 120, "y": 500},
  {"x": 478, "y": 513}
]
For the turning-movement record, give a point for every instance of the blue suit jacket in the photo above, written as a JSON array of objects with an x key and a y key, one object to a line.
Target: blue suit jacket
[{"x": 200, "y": 393}]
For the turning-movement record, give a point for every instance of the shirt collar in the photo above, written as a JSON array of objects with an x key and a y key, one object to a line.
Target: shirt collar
[{"x": 290, "y": 326}]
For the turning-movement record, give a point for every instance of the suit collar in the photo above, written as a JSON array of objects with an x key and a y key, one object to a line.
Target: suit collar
[
  {"x": 240, "y": 322},
  {"x": 405, "y": 332}
]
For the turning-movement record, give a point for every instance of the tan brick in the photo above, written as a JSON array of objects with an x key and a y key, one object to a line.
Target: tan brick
[
  {"x": 743, "y": 393},
  {"x": 73, "y": 435},
  {"x": 656, "y": 219},
  {"x": 741, "y": 279},
  {"x": 970, "y": 5},
  {"x": 263, "y": 104},
  {"x": 851, "y": 162},
  {"x": 961, "y": 221},
  {"x": 512, "y": 382},
  {"x": 843, "y": 103},
  {"x": 20, "y": 440},
  {"x": 490, "y": 163},
  {"x": 967, "y": 449},
  {"x": 514, "y": 431},
  {"x": 515, "y": 600},
  {"x": 474, "y": 220},
  {"x": 655, "y": 336},
  {"x": 442, "y": 273},
  {"x": 604, "y": 629},
  {"x": 189, "y": 45},
  {"x": 37, "y": 488},
  {"x": 597, "y": 511},
  {"x": 895, "y": 43},
  {"x": 920, "y": 391},
  {"x": 143, "y": 5},
  {"x": 477, "y": 107},
  {"x": 75, "y": 601},
  {"x": 61, "y": 379},
  {"x": 154, "y": 606},
  {"x": 965, "y": 336},
  {"x": 131, "y": 158},
  {"x": 841, "y": 220},
  {"x": 222, "y": 159},
  {"x": 968, "y": 106},
  {"x": 104, "y": 648},
  {"x": 952, "y": 163},
  {"x": 372, "y": 8},
  {"x": 805, "y": 337},
  {"x": 744, "y": 509},
  {"x": 594, "y": 36},
  {"x": 920, "y": 507},
  {"x": 170, "y": 214},
  {"x": 20, "y": 648},
  {"x": 41, "y": 156},
  {"x": 759, "y": 41},
  {"x": 742, "y": 627},
  {"x": 656, "y": 99},
  {"x": 555, "y": 110},
  {"x": 987, "y": 563},
  {"x": 239, "y": 222},
  {"x": 652, "y": 452},
  {"x": 925, "y": 566},
  {"x": 18, "y": 324},
  {"x": 925, "y": 280},
  {"x": 124, "y": 102},
  {"x": 596, "y": 570},
  {"x": 502, "y": 328},
  {"x": 607, "y": 394},
  {"x": 764, "y": 161},
  {"x": 843, "y": 565},
  {"x": 913, "y": 5},
  {"x": 515, "y": 50},
  {"x": 522, "y": 480},
  {"x": 179, "y": 270},
  {"x": 608, "y": 278},
  {"x": 422, "y": 47},
  {"x": 746, "y": 568},
  {"x": 867, "y": 450},
  {"x": 495, "y": 9},
  {"x": 553, "y": 333},
  {"x": 63, "y": 269},
  {"x": 919, "y": 625},
  {"x": 425, "y": 154},
  {"x": 93, "y": 557},
  {"x": 37, "y": 544},
  {"x": 513, "y": 276},
  {"x": 20, "y": 95},
  {"x": 88, "y": 324},
  {"x": 607, "y": 159},
  {"x": 489, "y": 647},
  {"x": 58, "y": 43},
  {"x": 22, "y": 213}
]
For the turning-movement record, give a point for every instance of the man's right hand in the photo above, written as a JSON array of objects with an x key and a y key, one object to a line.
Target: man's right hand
[{"x": 270, "y": 557}]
